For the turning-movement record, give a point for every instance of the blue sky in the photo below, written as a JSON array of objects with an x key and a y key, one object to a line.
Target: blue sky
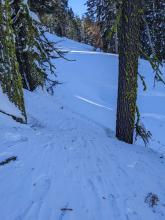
[{"x": 78, "y": 6}]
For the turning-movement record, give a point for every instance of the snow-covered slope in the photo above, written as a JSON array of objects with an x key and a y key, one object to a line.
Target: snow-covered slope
[
  {"x": 66, "y": 44},
  {"x": 69, "y": 165},
  {"x": 90, "y": 88}
]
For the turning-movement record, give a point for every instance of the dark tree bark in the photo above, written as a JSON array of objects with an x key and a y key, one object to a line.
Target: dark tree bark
[{"x": 129, "y": 40}]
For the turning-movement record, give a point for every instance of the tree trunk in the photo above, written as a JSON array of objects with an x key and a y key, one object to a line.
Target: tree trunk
[
  {"x": 129, "y": 41},
  {"x": 10, "y": 77},
  {"x": 116, "y": 32}
]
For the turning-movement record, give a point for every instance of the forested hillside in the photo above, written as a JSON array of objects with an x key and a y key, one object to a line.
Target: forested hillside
[
  {"x": 82, "y": 110},
  {"x": 105, "y": 15}
]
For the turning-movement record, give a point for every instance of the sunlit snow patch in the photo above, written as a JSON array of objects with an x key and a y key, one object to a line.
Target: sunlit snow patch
[{"x": 93, "y": 103}]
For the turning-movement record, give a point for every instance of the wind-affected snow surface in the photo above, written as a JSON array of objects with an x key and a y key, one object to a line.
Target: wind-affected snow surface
[{"x": 69, "y": 165}]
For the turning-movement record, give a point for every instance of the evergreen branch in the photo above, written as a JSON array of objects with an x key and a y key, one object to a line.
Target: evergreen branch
[
  {"x": 52, "y": 84},
  {"x": 155, "y": 64},
  {"x": 116, "y": 24},
  {"x": 141, "y": 130},
  {"x": 142, "y": 78}
]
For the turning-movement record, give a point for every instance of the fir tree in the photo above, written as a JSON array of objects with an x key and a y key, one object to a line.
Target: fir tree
[
  {"x": 58, "y": 18},
  {"x": 10, "y": 77},
  {"x": 25, "y": 52},
  {"x": 103, "y": 14},
  {"x": 129, "y": 51},
  {"x": 52, "y": 14},
  {"x": 74, "y": 26},
  {"x": 153, "y": 30},
  {"x": 34, "y": 51}
]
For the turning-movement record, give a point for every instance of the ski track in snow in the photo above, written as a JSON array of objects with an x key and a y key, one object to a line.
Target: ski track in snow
[
  {"x": 71, "y": 167},
  {"x": 101, "y": 187},
  {"x": 68, "y": 165}
]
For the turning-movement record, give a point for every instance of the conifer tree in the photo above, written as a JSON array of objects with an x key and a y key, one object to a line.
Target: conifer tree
[
  {"x": 153, "y": 31},
  {"x": 58, "y": 18},
  {"x": 25, "y": 52},
  {"x": 34, "y": 51},
  {"x": 139, "y": 26},
  {"x": 10, "y": 77},
  {"x": 103, "y": 14},
  {"x": 52, "y": 14},
  {"x": 91, "y": 33},
  {"x": 74, "y": 26},
  {"x": 129, "y": 51}
]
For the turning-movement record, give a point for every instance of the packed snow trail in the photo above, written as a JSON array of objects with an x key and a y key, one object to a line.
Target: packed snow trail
[
  {"x": 69, "y": 165},
  {"x": 68, "y": 162}
]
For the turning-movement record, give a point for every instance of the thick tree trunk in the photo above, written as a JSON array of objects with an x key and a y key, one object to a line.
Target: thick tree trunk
[{"x": 128, "y": 69}]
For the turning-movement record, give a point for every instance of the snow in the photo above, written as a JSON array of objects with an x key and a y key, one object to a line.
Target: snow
[
  {"x": 93, "y": 78},
  {"x": 7, "y": 107},
  {"x": 67, "y": 44},
  {"x": 69, "y": 165},
  {"x": 34, "y": 16}
]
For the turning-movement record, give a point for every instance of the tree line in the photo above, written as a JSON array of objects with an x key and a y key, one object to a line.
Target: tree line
[
  {"x": 99, "y": 25},
  {"x": 105, "y": 15},
  {"x": 58, "y": 17}
]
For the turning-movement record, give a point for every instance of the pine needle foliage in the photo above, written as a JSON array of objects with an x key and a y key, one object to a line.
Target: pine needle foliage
[
  {"x": 25, "y": 53},
  {"x": 10, "y": 77}
]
